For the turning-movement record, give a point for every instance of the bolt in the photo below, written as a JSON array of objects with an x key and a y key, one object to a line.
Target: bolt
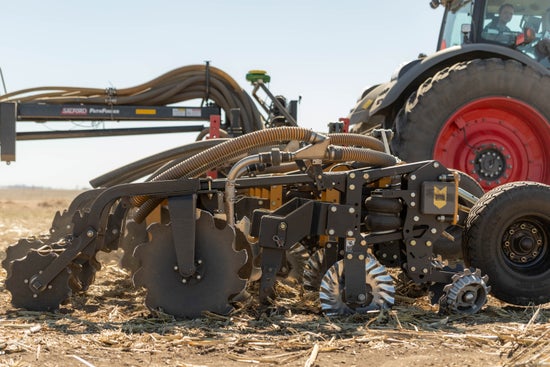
[
  {"x": 331, "y": 232},
  {"x": 198, "y": 277},
  {"x": 329, "y": 245},
  {"x": 361, "y": 297},
  {"x": 413, "y": 204},
  {"x": 425, "y": 271},
  {"x": 534, "y": 230},
  {"x": 282, "y": 225},
  {"x": 114, "y": 231},
  {"x": 413, "y": 194},
  {"x": 319, "y": 177},
  {"x": 26, "y": 281},
  {"x": 366, "y": 176},
  {"x": 90, "y": 233},
  {"x": 436, "y": 164},
  {"x": 50, "y": 286},
  {"x": 35, "y": 295},
  {"x": 394, "y": 257},
  {"x": 429, "y": 243},
  {"x": 176, "y": 268},
  {"x": 184, "y": 281},
  {"x": 413, "y": 177},
  {"x": 333, "y": 209},
  {"x": 522, "y": 226},
  {"x": 384, "y": 255},
  {"x": 352, "y": 187},
  {"x": 350, "y": 233},
  {"x": 416, "y": 218},
  {"x": 260, "y": 202},
  {"x": 413, "y": 268},
  {"x": 273, "y": 203},
  {"x": 468, "y": 297},
  {"x": 199, "y": 261},
  {"x": 352, "y": 175},
  {"x": 511, "y": 231},
  {"x": 361, "y": 257},
  {"x": 351, "y": 210},
  {"x": 363, "y": 243},
  {"x": 350, "y": 256},
  {"x": 413, "y": 242},
  {"x": 433, "y": 230}
]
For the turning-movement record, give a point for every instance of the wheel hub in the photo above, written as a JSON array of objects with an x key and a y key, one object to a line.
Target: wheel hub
[
  {"x": 522, "y": 243},
  {"x": 490, "y": 163},
  {"x": 496, "y": 140},
  {"x": 467, "y": 293}
]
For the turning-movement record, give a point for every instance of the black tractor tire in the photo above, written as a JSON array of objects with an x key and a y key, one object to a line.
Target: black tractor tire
[
  {"x": 486, "y": 117},
  {"x": 507, "y": 236}
]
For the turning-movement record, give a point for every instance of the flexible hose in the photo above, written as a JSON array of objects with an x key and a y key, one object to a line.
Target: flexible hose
[
  {"x": 371, "y": 157},
  {"x": 145, "y": 166},
  {"x": 357, "y": 140},
  {"x": 182, "y": 84},
  {"x": 213, "y": 157}
]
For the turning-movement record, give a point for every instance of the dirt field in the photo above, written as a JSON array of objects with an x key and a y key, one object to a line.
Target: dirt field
[{"x": 110, "y": 326}]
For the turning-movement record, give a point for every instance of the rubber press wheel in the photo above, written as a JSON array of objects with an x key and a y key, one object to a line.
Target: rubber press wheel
[
  {"x": 482, "y": 117},
  {"x": 508, "y": 238}
]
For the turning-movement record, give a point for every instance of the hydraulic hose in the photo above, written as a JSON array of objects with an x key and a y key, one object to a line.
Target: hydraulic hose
[
  {"x": 356, "y": 140},
  {"x": 182, "y": 84},
  {"x": 371, "y": 157},
  {"x": 145, "y": 166},
  {"x": 231, "y": 149}
]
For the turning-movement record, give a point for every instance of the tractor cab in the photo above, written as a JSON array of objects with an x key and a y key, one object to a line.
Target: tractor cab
[{"x": 517, "y": 24}]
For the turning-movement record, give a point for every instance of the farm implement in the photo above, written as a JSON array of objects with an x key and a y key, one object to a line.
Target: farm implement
[
  {"x": 335, "y": 211},
  {"x": 202, "y": 223}
]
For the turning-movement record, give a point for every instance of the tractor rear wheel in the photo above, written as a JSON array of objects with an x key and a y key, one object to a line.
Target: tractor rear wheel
[{"x": 486, "y": 117}]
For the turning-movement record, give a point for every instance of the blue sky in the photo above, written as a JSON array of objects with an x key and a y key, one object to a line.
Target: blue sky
[{"x": 327, "y": 52}]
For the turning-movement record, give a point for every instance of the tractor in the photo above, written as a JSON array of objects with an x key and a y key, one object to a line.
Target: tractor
[{"x": 478, "y": 104}]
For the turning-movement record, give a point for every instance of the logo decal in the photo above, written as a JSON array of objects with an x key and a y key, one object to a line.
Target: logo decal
[{"x": 440, "y": 197}]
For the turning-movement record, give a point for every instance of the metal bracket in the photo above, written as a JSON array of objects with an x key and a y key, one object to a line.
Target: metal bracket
[{"x": 182, "y": 218}]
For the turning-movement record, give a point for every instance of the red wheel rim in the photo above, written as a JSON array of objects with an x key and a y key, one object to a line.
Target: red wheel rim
[{"x": 496, "y": 140}]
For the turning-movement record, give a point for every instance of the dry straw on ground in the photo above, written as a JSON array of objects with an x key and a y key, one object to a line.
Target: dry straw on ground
[{"x": 110, "y": 326}]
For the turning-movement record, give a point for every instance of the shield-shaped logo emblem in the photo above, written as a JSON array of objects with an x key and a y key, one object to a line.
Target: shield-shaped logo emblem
[{"x": 440, "y": 197}]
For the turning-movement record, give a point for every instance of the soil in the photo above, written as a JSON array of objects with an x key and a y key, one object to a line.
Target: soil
[{"x": 109, "y": 325}]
